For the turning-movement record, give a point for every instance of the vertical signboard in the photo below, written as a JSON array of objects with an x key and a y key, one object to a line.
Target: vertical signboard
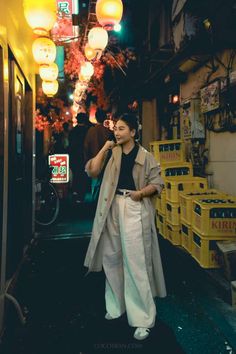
[{"x": 60, "y": 168}]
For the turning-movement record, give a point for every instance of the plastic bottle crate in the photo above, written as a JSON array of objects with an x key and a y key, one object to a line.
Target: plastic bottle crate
[
  {"x": 161, "y": 224},
  {"x": 205, "y": 250},
  {"x": 158, "y": 203},
  {"x": 186, "y": 202},
  {"x": 173, "y": 233},
  {"x": 176, "y": 169},
  {"x": 163, "y": 202},
  {"x": 186, "y": 237},
  {"x": 173, "y": 213},
  {"x": 166, "y": 151},
  {"x": 215, "y": 216},
  {"x": 157, "y": 220},
  {"x": 175, "y": 185}
]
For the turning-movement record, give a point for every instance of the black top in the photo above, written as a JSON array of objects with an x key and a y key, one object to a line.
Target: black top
[{"x": 126, "y": 180}]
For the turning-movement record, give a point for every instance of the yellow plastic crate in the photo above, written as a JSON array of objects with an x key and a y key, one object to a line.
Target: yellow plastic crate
[
  {"x": 173, "y": 213},
  {"x": 175, "y": 185},
  {"x": 176, "y": 169},
  {"x": 163, "y": 202},
  {"x": 157, "y": 220},
  {"x": 168, "y": 150},
  {"x": 186, "y": 202},
  {"x": 161, "y": 224},
  {"x": 186, "y": 237},
  {"x": 173, "y": 233},
  {"x": 215, "y": 216},
  {"x": 158, "y": 203},
  {"x": 205, "y": 250}
]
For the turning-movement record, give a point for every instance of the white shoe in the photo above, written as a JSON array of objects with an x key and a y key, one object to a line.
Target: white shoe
[
  {"x": 141, "y": 333},
  {"x": 108, "y": 316}
]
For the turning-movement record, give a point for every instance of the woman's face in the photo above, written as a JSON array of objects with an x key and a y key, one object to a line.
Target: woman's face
[{"x": 122, "y": 132}]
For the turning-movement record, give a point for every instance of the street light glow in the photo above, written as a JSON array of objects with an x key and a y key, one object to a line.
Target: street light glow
[{"x": 117, "y": 27}]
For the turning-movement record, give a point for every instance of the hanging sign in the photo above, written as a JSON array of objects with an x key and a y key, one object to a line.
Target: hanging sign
[
  {"x": 63, "y": 28},
  {"x": 60, "y": 168}
]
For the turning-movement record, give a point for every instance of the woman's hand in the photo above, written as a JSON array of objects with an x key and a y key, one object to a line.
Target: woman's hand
[
  {"x": 135, "y": 196},
  {"x": 109, "y": 144}
]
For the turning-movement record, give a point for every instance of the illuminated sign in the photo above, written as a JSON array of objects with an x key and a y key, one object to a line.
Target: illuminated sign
[{"x": 60, "y": 168}]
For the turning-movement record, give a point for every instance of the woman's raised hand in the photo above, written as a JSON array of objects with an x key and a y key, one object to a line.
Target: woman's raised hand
[{"x": 109, "y": 144}]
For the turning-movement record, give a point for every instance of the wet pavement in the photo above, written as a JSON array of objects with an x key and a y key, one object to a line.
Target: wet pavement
[{"x": 65, "y": 309}]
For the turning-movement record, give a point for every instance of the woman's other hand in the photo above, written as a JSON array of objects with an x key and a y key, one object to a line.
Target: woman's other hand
[{"x": 135, "y": 196}]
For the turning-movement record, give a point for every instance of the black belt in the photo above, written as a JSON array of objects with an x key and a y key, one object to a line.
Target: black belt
[{"x": 120, "y": 192}]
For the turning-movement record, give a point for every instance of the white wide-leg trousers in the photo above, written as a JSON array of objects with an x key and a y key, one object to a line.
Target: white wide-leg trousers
[{"x": 127, "y": 284}]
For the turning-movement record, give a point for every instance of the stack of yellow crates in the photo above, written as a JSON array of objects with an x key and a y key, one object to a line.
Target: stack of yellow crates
[
  {"x": 188, "y": 213},
  {"x": 170, "y": 154},
  {"x": 166, "y": 151},
  {"x": 174, "y": 185},
  {"x": 186, "y": 205},
  {"x": 213, "y": 219}
]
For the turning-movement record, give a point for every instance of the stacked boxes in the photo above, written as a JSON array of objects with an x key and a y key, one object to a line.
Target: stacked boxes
[
  {"x": 167, "y": 151},
  {"x": 170, "y": 154},
  {"x": 174, "y": 185},
  {"x": 176, "y": 169},
  {"x": 188, "y": 213},
  {"x": 186, "y": 200},
  {"x": 161, "y": 224},
  {"x": 213, "y": 219}
]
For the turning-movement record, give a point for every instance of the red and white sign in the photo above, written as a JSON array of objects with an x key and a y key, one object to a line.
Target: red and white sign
[
  {"x": 60, "y": 168},
  {"x": 63, "y": 29}
]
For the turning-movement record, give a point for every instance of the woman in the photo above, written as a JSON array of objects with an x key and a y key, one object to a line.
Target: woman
[{"x": 124, "y": 240}]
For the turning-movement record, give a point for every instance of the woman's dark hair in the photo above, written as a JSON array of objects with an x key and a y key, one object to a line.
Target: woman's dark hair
[{"x": 132, "y": 121}]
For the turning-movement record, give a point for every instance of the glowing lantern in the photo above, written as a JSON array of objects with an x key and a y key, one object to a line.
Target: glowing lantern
[
  {"x": 44, "y": 50},
  {"x": 109, "y": 13},
  {"x": 89, "y": 52},
  {"x": 40, "y": 15},
  {"x": 98, "y": 38},
  {"x": 48, "y": 72},
  {"x": 83, "y": 78},
  {"x": 50, "y": 88},
  {"x": 80, "y": 85},
  {"x": 87, "y": 69}
]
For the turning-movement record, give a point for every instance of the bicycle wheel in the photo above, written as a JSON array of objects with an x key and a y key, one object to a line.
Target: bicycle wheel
[{"x": 47, "y": 203}]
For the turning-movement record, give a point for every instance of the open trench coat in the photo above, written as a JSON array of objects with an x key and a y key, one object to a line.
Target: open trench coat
[{"x": 145, "y": 172}]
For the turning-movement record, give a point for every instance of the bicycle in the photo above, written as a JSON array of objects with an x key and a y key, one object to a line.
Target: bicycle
[{"x": 47, "y": 203}]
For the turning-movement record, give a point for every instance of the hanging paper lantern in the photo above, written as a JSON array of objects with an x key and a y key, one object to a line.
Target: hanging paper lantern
[
  {"x": 48, "y": 72},
  {"x": 98, "y": 38},
  {"x": 87, "y": 69},
  {"x": 50, "y": 88},
  {"x": 40, "y": 15},
  {"x": 80, "y": 85},
  {"x": 109, "y": 13},
  {"x": 89, "y": 52},
  {"x": 44, "y": 50},
  {"x": 83, "y": 78}
]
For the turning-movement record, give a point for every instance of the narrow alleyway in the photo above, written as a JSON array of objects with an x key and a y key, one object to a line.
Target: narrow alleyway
[{"x": 65, "y": 309}]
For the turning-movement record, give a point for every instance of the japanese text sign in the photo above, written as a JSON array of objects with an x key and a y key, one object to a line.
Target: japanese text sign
[{"x": 60, "y": 168}]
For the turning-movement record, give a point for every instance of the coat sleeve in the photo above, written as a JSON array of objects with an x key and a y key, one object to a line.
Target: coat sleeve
[{"x": 154, "y": 174}]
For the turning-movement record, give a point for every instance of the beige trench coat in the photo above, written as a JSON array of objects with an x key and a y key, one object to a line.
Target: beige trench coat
[{"x": 145, "y": 172}]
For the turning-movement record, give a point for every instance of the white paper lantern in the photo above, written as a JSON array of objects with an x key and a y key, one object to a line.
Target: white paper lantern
[
  {"x": 98, "y": 38},
  {"x": 44, "y": 50},
  {"x": 48, "y": 72},
  {"x": 50, "y": 88}
]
